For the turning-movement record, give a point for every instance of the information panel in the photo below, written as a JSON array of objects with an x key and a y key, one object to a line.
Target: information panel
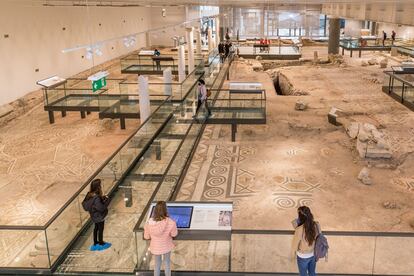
[
  {"x": 200, "y": 215},
  {"x": 245, "y": 86}
]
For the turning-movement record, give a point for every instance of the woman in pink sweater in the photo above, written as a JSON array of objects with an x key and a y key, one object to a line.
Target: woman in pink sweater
[{"x": 160, "y": 229}]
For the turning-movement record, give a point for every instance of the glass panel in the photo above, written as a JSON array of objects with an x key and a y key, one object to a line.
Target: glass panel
[
  {"x": 397, "y": 88},
  {"x": 198, "y": 256},
  {"x": 53, "y": 95},
  {"x": 63, "y": 229},
  {"x": 386, "y": 82},
  {"x": 23, "y": 248},
  {"x": 409, "y": 94},
  {"x": 270, "y": 253},
  {"x": 143, "y": 253}
]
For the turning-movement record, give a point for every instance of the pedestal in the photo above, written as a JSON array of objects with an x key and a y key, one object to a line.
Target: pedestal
[
  {"x": 198, "y": 42},
  {"x": 190, "y": 49},
  {"x": 181, "y": 64},
  {"x": 167, "y": 75},
  {"x": 144, "y": 101}
]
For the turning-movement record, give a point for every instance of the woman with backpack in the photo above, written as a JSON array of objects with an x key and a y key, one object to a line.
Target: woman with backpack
[
  {"x": 97, "y": 205},
  {"x": 304, "y": 240},
  {"x": 160, "y": 229}
]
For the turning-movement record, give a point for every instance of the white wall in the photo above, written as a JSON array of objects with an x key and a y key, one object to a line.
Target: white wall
[
  {"x": 405, "y": 32},
  {"x": 36, "y": 40},
  {"x": 353, "y": 28},
  {"x": 174, "y": 15}
]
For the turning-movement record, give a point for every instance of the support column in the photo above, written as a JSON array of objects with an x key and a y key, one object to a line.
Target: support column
[
  {"x": 181, "y": 63},
  {"x": 190, "y": 48},
  {"x": 334, "y": 35},
  {"x": 144, "y": 101},
  {"x": 198, "y": 42},
  {"x": 306, "y": 24},
  {"x": 167, "y": 75},
  {"x": 217, "y": 31},
  {"x": 148, "y": 39},
  {"x": 262, "y": 22},
  {"x": 210, "y": 40},
  {"x": 374, "y": 27}
]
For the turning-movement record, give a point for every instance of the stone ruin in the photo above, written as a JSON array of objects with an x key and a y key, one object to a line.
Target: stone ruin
[
  {"x": 336, "y": 59},
  {"x": 283, "y": 85},
  {"x": 300, "y": 105},
  {"x": 370, "y": 142}
]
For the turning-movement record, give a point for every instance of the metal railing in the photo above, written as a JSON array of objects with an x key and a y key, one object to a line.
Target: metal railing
[{"x": 42, "y": 245}]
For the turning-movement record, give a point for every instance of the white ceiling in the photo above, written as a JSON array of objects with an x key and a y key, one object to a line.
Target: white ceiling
[{"x": 251, "y": 3}]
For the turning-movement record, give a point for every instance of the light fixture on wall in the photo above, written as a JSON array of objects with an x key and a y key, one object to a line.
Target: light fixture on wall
[
  {"x": 89, "y": 53},
  {"x": 94, "y": 49},
  {"x": 98, "y": 50},
  {"x": 129, "y": 41}
]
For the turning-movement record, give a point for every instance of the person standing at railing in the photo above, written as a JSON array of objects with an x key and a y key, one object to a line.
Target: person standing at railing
[
  {"x": 384, "y": 37},
  {"x": 160, "y": 229},
  {"x": 157, "y": 53},
  {"x": 96, "y": 203},
  {"x": 304, "y": 239},
  {"x": 202, "y": 96}
]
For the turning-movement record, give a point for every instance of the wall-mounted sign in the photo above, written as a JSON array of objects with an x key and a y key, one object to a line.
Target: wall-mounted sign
[
  {"x": 98, "y": 80},
  {"x": 98, "y": 84}
]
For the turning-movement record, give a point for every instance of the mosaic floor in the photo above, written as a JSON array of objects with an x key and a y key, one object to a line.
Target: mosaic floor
[{"x": 298, "y": 158}]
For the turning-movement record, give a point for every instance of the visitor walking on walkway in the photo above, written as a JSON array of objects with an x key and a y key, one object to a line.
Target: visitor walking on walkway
[
  {"x": 384, "y": 37},
  {"x": 97, "y": 205},
  {"x": 304, "y": 239},
  {"x": 227, "y": 48},
  {"x": 221, "y": 51},
  {"x": 202, "y": 97},
  {"x": 160, "y": 229},
  {"x": 393, "y": 34}
]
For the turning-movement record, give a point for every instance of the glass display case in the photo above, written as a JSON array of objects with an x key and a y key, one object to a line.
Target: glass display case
[
  {"x": 363, "y": 43},
  {"x": 400, "y": 86}
]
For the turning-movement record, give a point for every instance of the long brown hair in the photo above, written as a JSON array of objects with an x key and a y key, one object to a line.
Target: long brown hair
[
  {"x": 309, "y": 225},
  {"x": 160, "y": 211},
  {"x": 95, "y": 189}
]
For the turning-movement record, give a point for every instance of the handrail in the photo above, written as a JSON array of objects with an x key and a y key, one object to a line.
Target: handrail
[
  {"x": 328, "y": 233},
  {"x": 145, "y": 210},
  {"x": 74, "y": 196},
  {"x": 154, "y": 193},
  {"x": 126, "y": 81}
]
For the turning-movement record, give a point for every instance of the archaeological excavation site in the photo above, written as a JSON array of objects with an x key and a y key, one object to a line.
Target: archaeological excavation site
[{"x": 207, "y": 137}]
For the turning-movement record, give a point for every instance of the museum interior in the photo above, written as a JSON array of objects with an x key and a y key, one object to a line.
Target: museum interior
[{"x": 305, "y": 103}]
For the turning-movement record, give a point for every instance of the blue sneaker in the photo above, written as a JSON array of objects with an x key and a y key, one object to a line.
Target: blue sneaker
[
  {"x": 94, "y": 247},
  {"x": 104, "y": 246}
]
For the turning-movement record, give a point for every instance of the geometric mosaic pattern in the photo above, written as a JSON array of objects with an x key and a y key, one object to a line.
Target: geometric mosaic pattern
[{"x": 294, "y": 192}]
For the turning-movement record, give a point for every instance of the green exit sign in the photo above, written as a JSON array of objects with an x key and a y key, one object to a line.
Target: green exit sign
[{"x": 98, "y": 84}]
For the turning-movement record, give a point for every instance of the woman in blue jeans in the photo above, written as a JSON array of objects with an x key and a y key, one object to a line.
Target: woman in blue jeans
[{"x": 303, "y": 244}]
